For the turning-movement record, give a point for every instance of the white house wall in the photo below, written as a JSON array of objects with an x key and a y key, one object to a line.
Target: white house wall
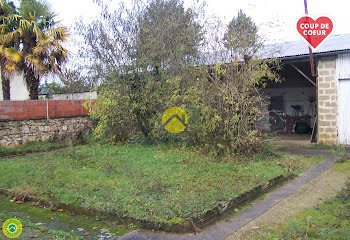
[
  {"x": 343, "y": 66},
  {"x": 18, "y": 87},
  {"x": 343, "y": 82}
]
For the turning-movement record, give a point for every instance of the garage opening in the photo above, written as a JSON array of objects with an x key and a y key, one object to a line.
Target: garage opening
[{"x": 292, "y": 103}]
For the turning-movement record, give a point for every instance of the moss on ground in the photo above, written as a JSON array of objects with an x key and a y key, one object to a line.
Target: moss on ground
[{"x": 54, "y": 224}]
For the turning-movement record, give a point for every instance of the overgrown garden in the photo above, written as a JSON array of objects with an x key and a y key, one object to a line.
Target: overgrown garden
[
  {"x": 153, "y": 55},
  {"x": 146, "y": 57}
]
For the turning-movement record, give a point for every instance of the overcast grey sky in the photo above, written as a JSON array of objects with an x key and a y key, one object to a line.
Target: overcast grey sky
[{"x": 275, "y": 18}]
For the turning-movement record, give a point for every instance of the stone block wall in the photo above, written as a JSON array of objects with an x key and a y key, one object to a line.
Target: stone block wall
[
  {"x": 18, "y": 132},
  {"x": 327, "y": 83}
]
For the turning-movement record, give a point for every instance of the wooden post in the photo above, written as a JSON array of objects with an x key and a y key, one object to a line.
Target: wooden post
[
  {"x": 305, "y": 76},
  {"x": 310, "y": 50}
]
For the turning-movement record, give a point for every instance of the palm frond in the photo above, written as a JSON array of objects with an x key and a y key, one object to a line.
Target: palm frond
[
  {"x": 32, "y": 24},
  {"x": 33, "y": 9},
  {"x": 12, "y": 54},
  {"x": 31, "y": 16},
  {"x": 20, "y": 31},
  {"x": 13, "y": 17},
  {"x": 25, "y": 24},
  {"x": 39, "y": 50},
  {"x": 45, "y": 39},
  {"x": 59, "y": 33},
  {"x": 37, "y": 31},
  {"x": 35, "y": 60},
  {"x": 3, "y": 29},
  {"x": 9, "y": 37},
  {"x": 10, "y": 67}
]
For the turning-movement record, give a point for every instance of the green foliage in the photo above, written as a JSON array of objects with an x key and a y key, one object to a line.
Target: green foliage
[
  {"x": 222, "y": 110},
  {"x": 242, "y": 35},
  {"x": 228, "y": 107},
  {"x": 223, "y": 101},
  {"x": 69, "y": 86},
  {"x": 114, "y": 111},
  {"x": 34, "y": 9},
  {"x": 160, "y": 49},
  {"x": 340, "y": 154},
  {"x": 73, "y": 81},
  {"x": 169, "y": 35}
]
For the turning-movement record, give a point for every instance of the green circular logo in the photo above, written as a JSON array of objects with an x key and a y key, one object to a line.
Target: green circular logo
[{"x": 12, "y": 228}]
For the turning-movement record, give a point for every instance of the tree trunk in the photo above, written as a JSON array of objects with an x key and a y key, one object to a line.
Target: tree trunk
[
  {"x": 5, "y": 80},
  {"x": 32, "y": 82}
]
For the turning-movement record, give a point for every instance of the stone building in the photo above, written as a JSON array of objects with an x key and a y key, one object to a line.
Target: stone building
[{"x": 302, "y": 102}]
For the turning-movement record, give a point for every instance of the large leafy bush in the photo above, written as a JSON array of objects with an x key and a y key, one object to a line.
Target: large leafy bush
[{"x": 157, "y": 65}]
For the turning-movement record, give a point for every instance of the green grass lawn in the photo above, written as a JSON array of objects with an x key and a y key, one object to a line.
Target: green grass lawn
[
  {"x": 329, "y": 220},
  {"x": 158, "y": 182},
  {"x": 30, "y": 147}
]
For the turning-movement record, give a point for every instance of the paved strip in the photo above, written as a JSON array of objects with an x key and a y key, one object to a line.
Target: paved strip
[{"x": 223, "y": 228}]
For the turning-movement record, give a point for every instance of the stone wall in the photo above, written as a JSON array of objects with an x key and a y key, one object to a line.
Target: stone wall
[
  {"x": 17, "y": 132},
  {"x": 327, "y": 101}
]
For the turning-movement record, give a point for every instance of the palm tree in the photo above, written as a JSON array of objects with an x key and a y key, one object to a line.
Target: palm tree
[
  {"x": 30, "y": 41},
  {"x": 5, "y": 9}
]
